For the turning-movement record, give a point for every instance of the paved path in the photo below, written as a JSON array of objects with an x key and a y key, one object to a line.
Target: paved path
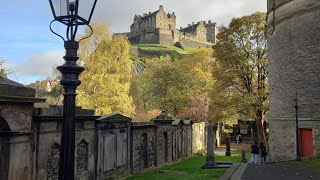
[{"x": 279, "y": 171}]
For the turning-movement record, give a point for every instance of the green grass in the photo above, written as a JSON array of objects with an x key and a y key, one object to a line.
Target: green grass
[
  {"x": 313, "y": 163},
  {"x": 192, "y": 166},
  {"x": 159, "y": 47}
]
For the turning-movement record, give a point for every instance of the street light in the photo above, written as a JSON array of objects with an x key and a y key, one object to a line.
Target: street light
[{"x": 72, "y": 13}]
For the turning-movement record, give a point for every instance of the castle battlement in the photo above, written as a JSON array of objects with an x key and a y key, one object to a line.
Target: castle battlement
[{"x": 159, "y": 27}]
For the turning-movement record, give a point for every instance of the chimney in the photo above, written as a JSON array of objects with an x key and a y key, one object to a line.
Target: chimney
[
  {"x": 145, "y": 14},
  {"x": 180, "y": 28},
  {"x": 204, "y": 22},
  {"x": 173, "y": 14},
  {"x": 209, "y": 22},
  {"x": 149, "y": 12},
  {"x": 161, "y": 7},
  {"x": 192, "y": 23},
  {"x": 189, "y": 25}
]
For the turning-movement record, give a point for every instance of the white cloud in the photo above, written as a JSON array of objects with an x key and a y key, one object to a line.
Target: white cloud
[
  {"x": 37, "y": 67},
  {"x": 119, "y": 14}
]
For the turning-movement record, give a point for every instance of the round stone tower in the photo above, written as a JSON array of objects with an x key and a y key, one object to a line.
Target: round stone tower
[{"x": 293, "y": 32}]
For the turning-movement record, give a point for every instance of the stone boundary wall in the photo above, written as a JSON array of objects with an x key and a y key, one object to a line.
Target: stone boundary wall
[
  {"x": 47, "y": 141},
  {"x": 109, "y": 146},
  {"x": 143, "y": 145}
]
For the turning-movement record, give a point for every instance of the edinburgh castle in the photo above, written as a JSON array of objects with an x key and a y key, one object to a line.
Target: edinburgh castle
[{"x": 159, "y": 27}]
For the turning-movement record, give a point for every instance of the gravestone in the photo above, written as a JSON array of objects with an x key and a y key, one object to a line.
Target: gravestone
[{"x": 210, "y": 160}]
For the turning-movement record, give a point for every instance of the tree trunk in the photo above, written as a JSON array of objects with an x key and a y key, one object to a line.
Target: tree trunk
[{"x": 260, "y": 128}]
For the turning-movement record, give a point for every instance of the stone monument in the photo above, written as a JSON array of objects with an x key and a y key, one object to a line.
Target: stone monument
[{"x": 210, "y": 160}]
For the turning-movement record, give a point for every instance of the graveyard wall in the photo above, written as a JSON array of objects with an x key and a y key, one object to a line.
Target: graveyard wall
[
  {"x": 293, "y": 30},
  {"x": 47, "y": 142},
  {"x": 165, "y": 142},
  {"x": 109, "y": 146},
  {"x": 16, "y": 139},
  {"x": 143, "y": 152}
]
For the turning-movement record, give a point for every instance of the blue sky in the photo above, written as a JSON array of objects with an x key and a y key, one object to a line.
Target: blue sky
[
  {"x": 25, "y": 34},
  {"x": 31, "y": 50}
]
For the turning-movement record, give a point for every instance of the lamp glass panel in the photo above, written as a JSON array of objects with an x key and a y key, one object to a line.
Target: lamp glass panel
[
  {"x": 85, "y": 8},
  {"x": 61, "y": 7}
]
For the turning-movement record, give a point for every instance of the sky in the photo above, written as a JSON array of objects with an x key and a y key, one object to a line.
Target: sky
[{"x": 31, "y": 51}]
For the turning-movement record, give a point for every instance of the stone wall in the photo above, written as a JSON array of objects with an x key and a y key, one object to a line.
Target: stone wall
[
  {"x": 48, "y": 135},
  {"x": 294, "y": 64},
  {"x": 16, "y": 144},
  {"x": 143, "y": 147},
  {"x": 106, "y": 147},
  {"x": 167, "y": 37},
  {"x": 165, "y": 138},
  {"x": 113, "y": 142}
]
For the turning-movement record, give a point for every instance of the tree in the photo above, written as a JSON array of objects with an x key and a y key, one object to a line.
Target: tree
[
  {"x": 241, "y": 54},
  {"x": 176, "y": 85},
  {"x": 162, "y": 85},
  {"x": 108, "y": 72},
  {"x": 197, "y": 66},
  {"x": 3, "y": 72}
]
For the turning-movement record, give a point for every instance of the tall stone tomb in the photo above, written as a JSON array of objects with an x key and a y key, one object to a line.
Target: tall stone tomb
[{"x": 293, "y": 32}]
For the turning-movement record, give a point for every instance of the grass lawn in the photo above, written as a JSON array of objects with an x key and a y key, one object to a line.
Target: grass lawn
[
  {"x": 192, "y": 166},
  {"x": 159, "y": 47},
  {"x": 313, "y": 163}
]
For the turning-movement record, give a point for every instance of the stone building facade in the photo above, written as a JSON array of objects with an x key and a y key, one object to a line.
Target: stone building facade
[
  {"x": 107, "y": 147},
  {"x": 293, "y": 32},
  {"x": 159, "y": 27}
]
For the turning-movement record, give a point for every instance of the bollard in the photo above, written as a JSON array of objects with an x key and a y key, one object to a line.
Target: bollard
[
  {"x": 228, "y": 151},
  {"x": 243, "y": 159}
]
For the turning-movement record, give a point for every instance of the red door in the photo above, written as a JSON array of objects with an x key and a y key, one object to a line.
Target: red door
[{"x": 306, "y": 143}]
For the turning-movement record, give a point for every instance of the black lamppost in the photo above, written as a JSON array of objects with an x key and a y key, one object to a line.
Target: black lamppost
[
  {"x": 72, "y": 13},
  {"x": 298, "y": 158}
]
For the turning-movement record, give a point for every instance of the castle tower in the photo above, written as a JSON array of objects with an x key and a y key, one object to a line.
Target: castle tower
[
  {"x": 293, "y": 32},
  {"x": 212, "y": 31}
]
